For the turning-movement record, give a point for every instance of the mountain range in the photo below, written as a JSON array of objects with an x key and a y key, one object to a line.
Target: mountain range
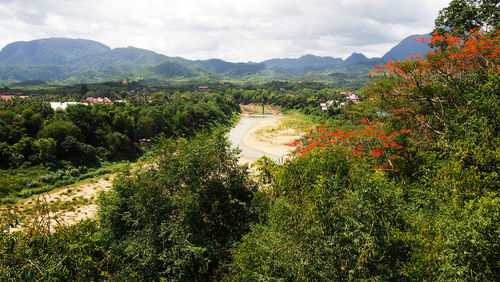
[{"x": 80, "y": 60}]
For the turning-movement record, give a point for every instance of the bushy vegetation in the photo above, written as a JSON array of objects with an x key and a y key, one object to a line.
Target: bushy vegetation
[
  {"x": 411, "y": 192},
  {"x": 176, "y": 219},
  {"x": 23, "y": 183},
  {"x": 71, "y": 253},
  {"x": 304, "y": 100}
]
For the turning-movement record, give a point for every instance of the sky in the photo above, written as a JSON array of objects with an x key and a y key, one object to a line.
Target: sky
[{"x": 232, "y": 30}]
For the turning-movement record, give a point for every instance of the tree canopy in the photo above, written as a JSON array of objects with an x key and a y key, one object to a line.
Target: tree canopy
[{"x": 466, "y": 15}]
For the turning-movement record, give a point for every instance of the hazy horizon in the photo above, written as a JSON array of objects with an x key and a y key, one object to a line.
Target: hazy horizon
[{"x": 236, "y": 32}]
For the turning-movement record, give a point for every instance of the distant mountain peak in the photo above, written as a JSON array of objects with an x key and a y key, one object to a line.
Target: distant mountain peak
[
  {"x": 356, "y": 58},
  {"x": 49, "y": 51},
  {"x": 407, "y": 47},
  {"x": 357, "y": 55},
  {"x": 309, "y": 56}
]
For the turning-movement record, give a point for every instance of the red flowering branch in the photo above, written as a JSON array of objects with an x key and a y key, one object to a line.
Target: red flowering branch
[
  {"x": 370, "y": 141},
  {"x": 428, "y": 87}
]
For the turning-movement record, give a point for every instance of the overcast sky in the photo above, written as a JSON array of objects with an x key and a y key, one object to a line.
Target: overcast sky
[{"x": 233, "y": 30}]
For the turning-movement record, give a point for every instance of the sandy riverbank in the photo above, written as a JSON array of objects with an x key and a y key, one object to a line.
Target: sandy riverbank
[
  {"x": 66, "y": 206},
  {"x": 270, "y": 137},
  {"x": 257, "y": 109}
]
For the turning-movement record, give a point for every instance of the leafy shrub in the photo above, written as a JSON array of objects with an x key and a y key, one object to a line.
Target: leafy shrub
[
  {"x": 32, "y": 184},
  {"x": 71, "y": 253},
  {"x": 178, "y": 219}
]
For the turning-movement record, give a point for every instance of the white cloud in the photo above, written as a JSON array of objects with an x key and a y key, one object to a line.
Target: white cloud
[{"x": 240, "y": 30}]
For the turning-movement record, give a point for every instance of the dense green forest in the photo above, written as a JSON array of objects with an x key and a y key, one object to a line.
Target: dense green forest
[
  {"x": 401, "y": 186},
  {"x": 65, "y": 144}
]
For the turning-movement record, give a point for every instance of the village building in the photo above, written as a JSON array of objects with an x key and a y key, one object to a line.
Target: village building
[
  {"x": 8, "y": 97},
  {"x": 98, "y": 100},
  {"x": 61, "y": 106},
  {"x": 350, "y": 96},
  {"x": 324, "y": 106},
  {"x": 204, "y": 88}
]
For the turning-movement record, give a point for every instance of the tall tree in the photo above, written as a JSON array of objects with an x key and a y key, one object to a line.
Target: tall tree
[{"x": 466, "y": 15}]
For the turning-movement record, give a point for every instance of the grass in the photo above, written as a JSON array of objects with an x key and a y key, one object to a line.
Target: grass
[
  {"x": 17, "y": 184},
  {"x": 290, "y": 124},
  {"x": 298, "y": 122}
]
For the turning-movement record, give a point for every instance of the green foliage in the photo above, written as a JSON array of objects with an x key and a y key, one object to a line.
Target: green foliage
[
  {"x": 146, "y": 127},
  {"x": 24, "y": 182},
  {"x": 31, "y": 121},
  {"x": 178, "y": 218},
  {"x": 78, "y": 152},
  {"x": 466, "y": 15},
  {"x": 118, "y": 144},
  {"x": 305, "y": 97},
  {"x": 473, "y": 240},
  {"x": 59, "y": 130},
  {"x": 46, "y": 150},
  {"x": 322, "y": 225},
  {"x": 71, "y": 253}
]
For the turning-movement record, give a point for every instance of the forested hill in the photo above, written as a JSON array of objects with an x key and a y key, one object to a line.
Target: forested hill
[
  {"x": 79, "y": 60},
  {"x": 52, "y": 51}
]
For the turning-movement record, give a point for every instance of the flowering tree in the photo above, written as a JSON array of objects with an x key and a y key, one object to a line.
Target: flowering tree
[
  {"x": 370, "y": 141},
  {"x": 424, "y": 93},
  {"x": 421, "y": 95}
]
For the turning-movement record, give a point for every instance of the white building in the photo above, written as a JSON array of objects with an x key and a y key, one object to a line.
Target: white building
[
  {"x": 324, "y": 106},
  {"x": 61, "y": 105}
]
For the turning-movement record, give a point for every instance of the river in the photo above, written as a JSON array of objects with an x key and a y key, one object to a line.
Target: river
[{"x": 244, "y": 125}]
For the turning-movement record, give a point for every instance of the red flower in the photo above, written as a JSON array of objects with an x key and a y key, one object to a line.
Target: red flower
[
  {"x": 376, "y": 152},
  {"x": 383, "y": 138}
]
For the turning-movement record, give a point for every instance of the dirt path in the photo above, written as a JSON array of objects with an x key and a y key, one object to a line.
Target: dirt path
[
  {"x": 63, "y": 206},
  {"x": 88, "y": 193}
]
